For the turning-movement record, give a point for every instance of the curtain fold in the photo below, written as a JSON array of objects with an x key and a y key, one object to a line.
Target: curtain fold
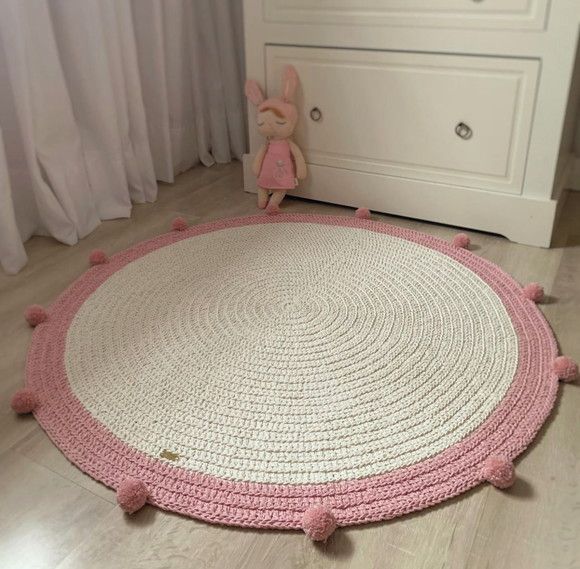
[
  {"x": 195, "y": 111},
  {"x": 101, "y": 98},
  {"x": 12, "y": 250}
]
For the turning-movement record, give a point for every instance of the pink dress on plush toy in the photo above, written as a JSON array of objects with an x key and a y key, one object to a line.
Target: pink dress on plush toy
[{"x": 278, "y": 171}]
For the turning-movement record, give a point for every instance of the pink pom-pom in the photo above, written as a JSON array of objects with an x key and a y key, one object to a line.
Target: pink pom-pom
[
  {"x": 318, "y": 523},
  {"x": 499, "y": 471},
  {"x": 132, "y": 495},
  {"x": 179, "y": 224},
  {"x": 98, "y": 257},
  {"x": 35, "y": 315},
  {"x": 363, "y": 213},
  {"x": 461, "y": 241},
  {"x": 566, "y": 368},
  {"x": 272, "y": 209},
  {"x": 24, "y": 401},
  {"x": 534, "y": 291}
]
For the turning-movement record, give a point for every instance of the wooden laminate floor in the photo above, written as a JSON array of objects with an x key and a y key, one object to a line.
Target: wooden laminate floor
[{"x": 53, "y": 516}]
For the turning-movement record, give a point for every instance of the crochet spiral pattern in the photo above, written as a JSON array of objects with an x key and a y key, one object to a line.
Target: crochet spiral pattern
[{"x": 368, "y": 367}]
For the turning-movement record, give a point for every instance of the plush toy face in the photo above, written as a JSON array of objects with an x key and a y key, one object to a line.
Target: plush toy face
[
  {"x": 272, "y": 124},
  {"x": 277, "y": 116}
]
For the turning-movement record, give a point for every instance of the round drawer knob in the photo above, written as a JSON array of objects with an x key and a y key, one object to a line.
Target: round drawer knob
[
  {"x": 315, "y": 114},
  {"x": 463, "y": 131}
]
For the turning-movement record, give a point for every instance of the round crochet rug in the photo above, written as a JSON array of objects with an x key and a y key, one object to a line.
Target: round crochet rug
[{"x": 247, "y": 369}]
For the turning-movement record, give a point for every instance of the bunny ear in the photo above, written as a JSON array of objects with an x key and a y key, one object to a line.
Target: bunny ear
[
  {"x": 289, "y": 83},
  {"x": 253, "y": 92}
]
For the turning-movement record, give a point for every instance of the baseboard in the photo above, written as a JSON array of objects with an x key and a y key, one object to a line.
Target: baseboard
[{"x": 520, "y": 219}]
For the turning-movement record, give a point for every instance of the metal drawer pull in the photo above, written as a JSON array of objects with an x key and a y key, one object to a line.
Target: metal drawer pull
[
  {"x": 463, "y": 131},
  {"x": 315, "y": 114}
]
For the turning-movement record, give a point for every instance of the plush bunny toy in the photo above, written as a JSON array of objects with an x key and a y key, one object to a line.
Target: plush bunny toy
[{"x": 279, "y": 163}]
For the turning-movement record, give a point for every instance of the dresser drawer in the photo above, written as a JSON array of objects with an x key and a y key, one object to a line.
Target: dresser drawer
[
  {"x": 477, "y": 14},
  {"x": 449, "y": 119}
]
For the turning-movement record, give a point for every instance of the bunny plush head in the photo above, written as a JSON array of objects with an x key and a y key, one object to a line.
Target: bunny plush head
[{"x": 277, "y": 116}]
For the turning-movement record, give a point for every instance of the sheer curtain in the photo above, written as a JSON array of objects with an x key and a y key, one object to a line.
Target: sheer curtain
[{"x": 101, "y": 98}]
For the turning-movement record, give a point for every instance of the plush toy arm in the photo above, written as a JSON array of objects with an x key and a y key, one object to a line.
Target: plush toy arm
[
  {"x": 298, "y": 160},
  {"x": 257, "y": 164}
]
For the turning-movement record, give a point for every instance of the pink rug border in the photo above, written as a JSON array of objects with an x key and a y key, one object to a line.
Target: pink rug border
[{"x": 88, "y": 444}]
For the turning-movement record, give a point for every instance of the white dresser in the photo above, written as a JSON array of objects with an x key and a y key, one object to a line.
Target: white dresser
[{"x": 455, "y": 111}]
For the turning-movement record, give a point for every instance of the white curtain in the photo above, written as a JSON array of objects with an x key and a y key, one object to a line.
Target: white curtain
[{"x": 99, "y": 98}]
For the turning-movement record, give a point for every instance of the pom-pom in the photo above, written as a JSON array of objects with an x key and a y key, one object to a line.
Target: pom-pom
[
  {"x": 272, "y": 209},
  {"x": 363, "y": 213},
  {"x": 24, "y": 401},
  {"x": 534, "y": 291},
  {"x": 318, "y": 523},
  {"x": 461, "y": 241},
  {"x": 132, "y": 495},
  {"x": 499, "y": 471},
  {"x": 98, "y": 257},
  {"x": 35, "y": 315},
  {"x": 566, "y": 368},
  {"x": 179, "y": 224}
]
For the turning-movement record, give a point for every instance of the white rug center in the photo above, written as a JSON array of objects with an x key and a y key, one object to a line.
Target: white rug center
[{"x": 292, "y": 353}]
